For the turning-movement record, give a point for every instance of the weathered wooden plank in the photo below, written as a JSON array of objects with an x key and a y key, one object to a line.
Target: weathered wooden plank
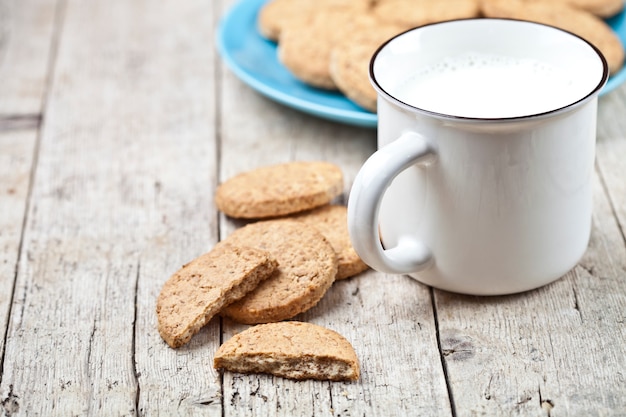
[
  {"x": 26, "y": 29},
  {"x": 555, "y": 351},
  {"x": 611, "y": 151},
  {"x": 16, "y": 163},
  {"x": 26, "y": 40},
  {"x": 122, "y": 197},
  {"x": 388, "y": 319}
]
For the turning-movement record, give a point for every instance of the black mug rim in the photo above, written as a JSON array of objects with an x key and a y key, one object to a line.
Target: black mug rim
[{"x": 390, "y": 97}]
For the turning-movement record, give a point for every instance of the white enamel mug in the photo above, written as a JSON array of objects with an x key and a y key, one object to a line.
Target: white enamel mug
[{"x": 485, "y": 204}]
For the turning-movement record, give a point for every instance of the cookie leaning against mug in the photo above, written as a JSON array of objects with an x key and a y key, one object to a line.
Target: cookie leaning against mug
[
  {"x": 307, "y": 266},
  {"x": 579, "y": 22}
]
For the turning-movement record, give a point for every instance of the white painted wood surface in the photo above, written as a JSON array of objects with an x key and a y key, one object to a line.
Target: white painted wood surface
[
  {"x": 116, "y": 128},
  {"x": 28, "y": 30}
]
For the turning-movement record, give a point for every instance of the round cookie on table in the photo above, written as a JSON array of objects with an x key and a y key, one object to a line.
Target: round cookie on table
[
  {"x": 307, "y": 266},
  {"x": 279, "y": 190}
]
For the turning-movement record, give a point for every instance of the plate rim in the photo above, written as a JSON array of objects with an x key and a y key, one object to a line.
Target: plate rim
[{"x": 360, "y": 118}]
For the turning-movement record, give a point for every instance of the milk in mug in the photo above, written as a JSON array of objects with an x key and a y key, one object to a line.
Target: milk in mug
[{"x": 477, "y": 85}]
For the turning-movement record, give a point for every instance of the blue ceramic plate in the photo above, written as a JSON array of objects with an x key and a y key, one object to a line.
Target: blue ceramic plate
[{"x": 253, "y": 59}]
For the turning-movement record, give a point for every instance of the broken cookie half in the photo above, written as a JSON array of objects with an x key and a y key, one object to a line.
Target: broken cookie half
[
  {"x": 290, "y": 349},
  {"x": 198, "y": 291}
]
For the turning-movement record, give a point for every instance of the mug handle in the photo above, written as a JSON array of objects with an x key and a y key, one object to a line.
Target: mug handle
[{"x": 370, "y": 184}]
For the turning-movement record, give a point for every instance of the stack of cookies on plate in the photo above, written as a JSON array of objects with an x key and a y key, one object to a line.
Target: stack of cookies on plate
[
  {"x": 281, "y": 264},
  {"x": 328, "y": 43}
]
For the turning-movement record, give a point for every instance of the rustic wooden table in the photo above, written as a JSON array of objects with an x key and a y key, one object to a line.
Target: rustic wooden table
[{"x": 117, "y": 121}]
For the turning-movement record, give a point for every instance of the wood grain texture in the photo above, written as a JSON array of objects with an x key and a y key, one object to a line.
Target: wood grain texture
[
  {"x": 122, "y": 198},
  {"x": 16, "y": 163},
  {"x": 26, "y": 46},
  {"x": 141, "y": 120},
  {"x": 611, "y": 152}
]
